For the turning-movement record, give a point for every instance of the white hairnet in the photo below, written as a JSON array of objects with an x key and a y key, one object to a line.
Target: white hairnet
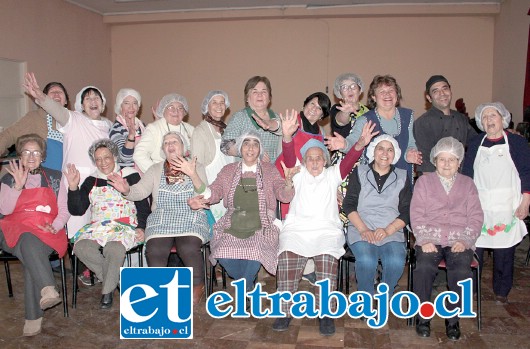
[
  {"x": 346, "y": 76},
  {"x": 371, "y": 148},
  {"x": 250, "y": 134},
  {"x": 78, "y": 106},
  {"x": 314, "y": 143},
  {"x": 448, "y": 145},
  {"x": 505, "y": 114},
  {"x": 185, "y": 145},
  {"x": 167, "y": 100},
  {"x": 208, "y": 98},
  {"x": 124, "y": 93}
]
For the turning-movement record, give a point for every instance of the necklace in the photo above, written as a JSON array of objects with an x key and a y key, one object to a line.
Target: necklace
[{"x": 396, "y": 118}]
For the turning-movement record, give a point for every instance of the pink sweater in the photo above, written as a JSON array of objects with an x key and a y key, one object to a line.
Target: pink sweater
[{"x": 442, "y": 218}]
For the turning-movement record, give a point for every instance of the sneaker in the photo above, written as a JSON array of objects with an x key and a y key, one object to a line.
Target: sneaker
[
  {"x": 311, "y": 278},
  {"x": 281, "y": 324},
  {"x": 86, "y": 279},
  {"x": 326, "y": 326}
]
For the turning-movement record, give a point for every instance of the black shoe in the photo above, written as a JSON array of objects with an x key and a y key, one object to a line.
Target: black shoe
[
  {"x": 327, "y": 326},
  {"x": 281, "y": 324},
  {"x": 452, "y": 330},
  {"x": 423, "y": 329},
  {"x": 106, "y": 300}
]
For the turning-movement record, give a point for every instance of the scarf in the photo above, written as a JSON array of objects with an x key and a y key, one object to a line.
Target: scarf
[
  {"x": 214, "y": 122},
  {"x": 308, "y": 127}
]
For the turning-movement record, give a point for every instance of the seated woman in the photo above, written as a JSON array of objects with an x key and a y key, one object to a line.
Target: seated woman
[
  {"x": 117, "y": 224},
  {"x": 34, "y": 207},
  {"x": 377, "y": 204},
  {"x": 313, "y": 228},
  {"x": 246, "y": 237},
  {"x": 172, "y": 222},
  {"x": 446, "y": 217}
]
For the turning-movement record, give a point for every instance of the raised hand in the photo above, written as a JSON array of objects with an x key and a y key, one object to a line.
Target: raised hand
[
  {"x": 153, "y": 110},
  {"x": 414, "y": 156},
  {"x": 19, "y": 173},
  {"x": 366, "y": 135},
  {"x": 266, "y": 124},
  {"x": 131, "y": 127},
  {"x": 289, "y": 173},
  {"x": 198, "y": 202},
  {"x": 72, "y": 176},
  {"x": 289, "y": 124},
  {"x": 32, "y": 87},
  {"x": 183, "y": 165},
  {"x": 347, "y": 107},
  {"x": 119, "y": 183},
  {"x": 335, "y": 142}
]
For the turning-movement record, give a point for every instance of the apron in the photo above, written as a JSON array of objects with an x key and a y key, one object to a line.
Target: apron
[
  {"x": 213, "y": 169},
  {"x": 54, "y": 145},
  {"x": 113, "y": 218},
  {"x": 499, "y": 189},
  {"x": 34, "y": 207},
  {"x": 172, "y": 216},
  {"x": 299, "y": 139}
]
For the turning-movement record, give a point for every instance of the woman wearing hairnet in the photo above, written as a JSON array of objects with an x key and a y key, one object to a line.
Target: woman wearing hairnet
[
  {"x": 127, "y": 129},
  {"x": 446, "y": 218},
  {"x": 377, "y": 204},
  {"x": 172, "y": 223},
  {"x": 246, "y": 237},
  {"x": 171, "y": 111},
  {"x": 206, "y": 140},
  {"x": 499, "y": 163}
]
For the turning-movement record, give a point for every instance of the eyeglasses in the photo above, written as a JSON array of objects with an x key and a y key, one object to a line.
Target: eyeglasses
[
  {"x": 28, "y": 153},
  {"x": 172, "y": 108},
  {"x": 351, "y": 87}
]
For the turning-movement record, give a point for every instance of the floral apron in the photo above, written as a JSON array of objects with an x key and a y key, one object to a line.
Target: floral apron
[
  {"x": 113, "y": 218},
  {"x": 499, "y": 189}
]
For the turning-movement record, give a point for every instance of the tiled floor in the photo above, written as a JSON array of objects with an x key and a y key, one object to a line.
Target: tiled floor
[{"x": 90, "y": 327}]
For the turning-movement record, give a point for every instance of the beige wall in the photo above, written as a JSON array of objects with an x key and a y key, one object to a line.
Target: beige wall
[
  {"x": 511, "y": 40},
  {"x": 301, "y": 55},
  {"x": 59, "y": 42}
]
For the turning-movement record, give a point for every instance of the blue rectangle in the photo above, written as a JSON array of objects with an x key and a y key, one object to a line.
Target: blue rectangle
[{"x": 156, "y": 303}]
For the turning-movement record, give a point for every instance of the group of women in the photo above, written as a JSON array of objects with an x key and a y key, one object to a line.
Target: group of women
[{"x": 126, "y": 184}]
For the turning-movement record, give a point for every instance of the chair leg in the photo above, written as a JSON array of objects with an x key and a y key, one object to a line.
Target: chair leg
[
  {"x": 63, "y": 284},
  {"x": 479, "y": 298},
  {"x": 141, "y": 256},
  {"x": 410, "y": 321},
  {"x": 205, "y": 270},
  {"x": 8, "y": 278},
  {"x": 74, "y": 282}
]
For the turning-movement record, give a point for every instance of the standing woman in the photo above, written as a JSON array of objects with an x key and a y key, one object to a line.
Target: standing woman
[
  {"x": 171, "y": 111},
  {"x": 257, "y": 117},
  {"x": 384, "y": 98},
  {"x": 316, "y": 107},
  {"x": 499, "y": 163},
  {"x": 43, "y": 124},
  {"x": 80, "y": 129},
  {"x": 206, "y": 140},
  {"x": 34, "y": 207},
  {"x": 127, "y": 128}
]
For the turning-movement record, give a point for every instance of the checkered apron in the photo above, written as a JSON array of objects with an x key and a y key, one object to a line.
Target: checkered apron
[{"x": 173, "y": 216}]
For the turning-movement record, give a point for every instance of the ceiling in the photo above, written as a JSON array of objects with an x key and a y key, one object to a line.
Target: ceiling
[{"x": 114, "y": 7}]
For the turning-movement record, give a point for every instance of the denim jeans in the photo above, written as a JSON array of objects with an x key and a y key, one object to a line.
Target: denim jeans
[
  {"x": 241, "y": 269},
  {"x": 367, "y": 255}
]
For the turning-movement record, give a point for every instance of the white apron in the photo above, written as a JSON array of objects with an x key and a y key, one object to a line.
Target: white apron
[
  {"x": 213, "y": 169},
  {"x": 499, "y": 189}
]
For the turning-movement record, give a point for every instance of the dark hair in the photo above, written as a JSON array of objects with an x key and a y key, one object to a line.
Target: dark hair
[
  {"x": 58, "y": 84},
  {"x": 323, "y": 102},
  {"x": 102, "y": 143},
  {"x": 253, "y": 81},
  {"x": 383, "y": 80},
  {"x": 87, "y": 91},
  {"x": 31, "y": 137}
]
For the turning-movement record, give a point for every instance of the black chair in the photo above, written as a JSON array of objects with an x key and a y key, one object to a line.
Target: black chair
[
  {"x": 7, "y": 257},
  {"x": 139, "y": 249},
  {"x": 475, "y": 267}
]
